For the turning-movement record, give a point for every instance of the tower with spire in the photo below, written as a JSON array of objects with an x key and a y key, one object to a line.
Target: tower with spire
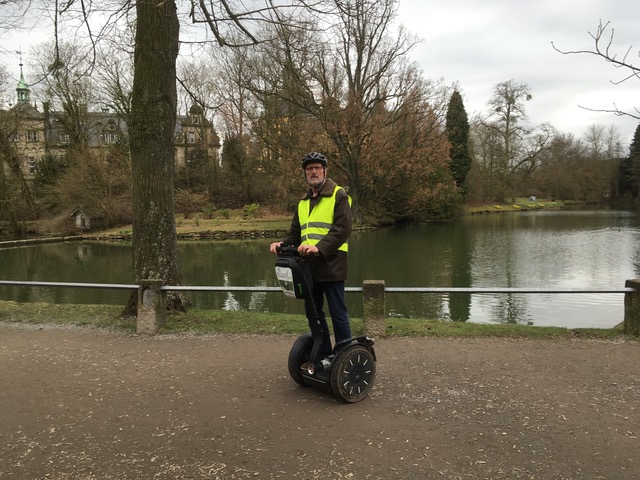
[
  {"x": 28, "y": 129},
  {"x": 24, "y": 94}
]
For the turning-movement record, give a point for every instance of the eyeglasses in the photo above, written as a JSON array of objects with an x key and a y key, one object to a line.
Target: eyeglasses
[{"x": 312, "y": 168}]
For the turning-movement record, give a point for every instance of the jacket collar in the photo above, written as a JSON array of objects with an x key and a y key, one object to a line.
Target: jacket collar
[{"x": 326, "y": 190}]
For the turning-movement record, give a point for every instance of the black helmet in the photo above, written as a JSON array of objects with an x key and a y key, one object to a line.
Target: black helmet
[{"x": 314, "y": 157}]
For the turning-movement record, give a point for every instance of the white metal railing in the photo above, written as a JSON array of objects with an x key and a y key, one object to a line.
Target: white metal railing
[
  {"x": 152, "y": 302},
  {"x": 257, "y": 288}
]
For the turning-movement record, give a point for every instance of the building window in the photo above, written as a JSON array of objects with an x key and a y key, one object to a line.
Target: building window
[
  {"x": 110, "y": 138},
  {"x": 196, "y": 120},
  {"x": 32, "y": 165},
  {"x": 32, "y": 136},
  {"x": 64, "y": 138},
  {"x": 14, "y": 137},
  {"x": 191, "y": 137}
]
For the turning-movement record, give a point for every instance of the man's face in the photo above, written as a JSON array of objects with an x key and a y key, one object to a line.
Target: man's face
[{"x": 315, "y": 174}]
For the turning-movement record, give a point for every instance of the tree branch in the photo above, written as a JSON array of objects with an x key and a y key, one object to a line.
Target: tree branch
[
  {"x": 603, "y": 49},
  {"x": 616, "y": 111}
]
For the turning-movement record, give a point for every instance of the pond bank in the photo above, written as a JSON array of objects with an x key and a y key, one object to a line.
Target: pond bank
[
  {"x": 201, "y": 230},
  {"x": 207, "y": 235}
]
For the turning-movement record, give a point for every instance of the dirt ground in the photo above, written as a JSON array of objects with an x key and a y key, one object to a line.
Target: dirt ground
[{"x": 88, "y": 404}]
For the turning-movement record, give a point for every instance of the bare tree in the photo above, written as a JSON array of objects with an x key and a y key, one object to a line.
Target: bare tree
[
  {"x": 198, "y": 78},
  {"x": 114, "y": 84},
  {"x": 236, "y": 106},
  {"x": 352, "y": 76},
  {"x": 487, "y": 172},
  {"x": 99, "y": 181},
  {"x": 602, "y": 142},
  {"x": 10, "y": 175},
  {"x": 506, "y": 118},
  {"x": 603, "y": 48},
  {"x": 509, "y": 148},
  {"x": 67, "y": 89},
  {"x": 4, "y": 77},
  {"x": 508, "y": 111},
  {"x": 533, "y": 146},
  {"x": 14, "y": 14}
]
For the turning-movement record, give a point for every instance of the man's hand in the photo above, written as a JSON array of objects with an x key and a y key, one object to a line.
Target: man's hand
[
  {"x": 273, "y": 248},
  {"x": 308, "y": 250}
]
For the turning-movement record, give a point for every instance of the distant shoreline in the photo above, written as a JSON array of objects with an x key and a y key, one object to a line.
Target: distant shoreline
[{"x": 204, "y": 231}]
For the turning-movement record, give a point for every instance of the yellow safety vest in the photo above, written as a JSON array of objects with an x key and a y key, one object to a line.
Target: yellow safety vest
[{"x": 315, "y": 226}]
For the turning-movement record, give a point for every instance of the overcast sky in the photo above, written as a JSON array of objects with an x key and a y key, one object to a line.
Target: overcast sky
[{"x": 482, "y": 43}]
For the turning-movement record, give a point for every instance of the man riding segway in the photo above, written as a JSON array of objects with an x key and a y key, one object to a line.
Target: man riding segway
[{"x": 319, "y": 232}]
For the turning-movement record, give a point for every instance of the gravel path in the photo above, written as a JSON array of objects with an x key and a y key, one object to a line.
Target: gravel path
[{"x": 88, "y": 404}]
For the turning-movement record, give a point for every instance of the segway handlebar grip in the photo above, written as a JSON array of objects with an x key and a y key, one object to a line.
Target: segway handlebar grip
[{"x": 287, "y": 250}]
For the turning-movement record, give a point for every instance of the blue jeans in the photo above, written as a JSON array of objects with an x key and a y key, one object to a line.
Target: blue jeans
[{"x": 334, "y": 291}]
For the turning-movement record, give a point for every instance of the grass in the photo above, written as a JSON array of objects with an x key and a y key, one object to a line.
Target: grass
[
  {"x": 235, "y": 222},
  {"x": 518, "y": 204},
  {"x": 202, "y": 322},
  {"x": 231, "y": 224}
]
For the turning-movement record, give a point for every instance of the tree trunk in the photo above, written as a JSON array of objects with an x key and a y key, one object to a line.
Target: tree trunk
[{"x": 152, "y": 143}]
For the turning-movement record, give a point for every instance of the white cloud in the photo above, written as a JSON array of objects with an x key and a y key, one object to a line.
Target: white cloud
[{"x": 480, "y": 44}]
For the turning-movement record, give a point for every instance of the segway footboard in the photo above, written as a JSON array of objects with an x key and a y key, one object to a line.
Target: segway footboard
[{"x": 299, "y": 354}]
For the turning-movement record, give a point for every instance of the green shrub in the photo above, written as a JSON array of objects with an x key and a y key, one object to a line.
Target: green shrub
[
  {"x": 209, "y": 212},
  {"x": 250, "y": 211}
]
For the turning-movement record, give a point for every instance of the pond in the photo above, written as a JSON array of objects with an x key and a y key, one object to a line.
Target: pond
[{"x": 538, "y": 249}]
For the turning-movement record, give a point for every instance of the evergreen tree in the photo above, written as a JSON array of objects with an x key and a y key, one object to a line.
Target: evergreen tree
[
  {"x": 632, "y": 165},
  {"x": 457, "y": 128}
]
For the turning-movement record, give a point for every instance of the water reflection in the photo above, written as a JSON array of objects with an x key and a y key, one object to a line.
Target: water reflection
[{"x": 535, "y": 249}]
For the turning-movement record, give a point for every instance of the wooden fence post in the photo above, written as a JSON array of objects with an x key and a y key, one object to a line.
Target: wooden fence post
[
  {"x": 632, "y": 307},
  {"x": 151, "y": 307},
  {"x": 374, "y": 308}
]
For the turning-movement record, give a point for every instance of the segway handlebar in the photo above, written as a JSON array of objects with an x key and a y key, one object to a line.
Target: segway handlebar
[{"x": 287, "y": 251}]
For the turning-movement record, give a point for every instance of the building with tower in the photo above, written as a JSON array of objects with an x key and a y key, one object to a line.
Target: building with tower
[{"x": 31, "y": 133}]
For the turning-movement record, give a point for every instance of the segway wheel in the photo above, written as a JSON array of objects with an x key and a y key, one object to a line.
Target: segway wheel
[
  {"x": 353, "y": 373},
  {"x": 298, "y": 355}
]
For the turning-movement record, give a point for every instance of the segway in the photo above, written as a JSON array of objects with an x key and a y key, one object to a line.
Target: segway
[{"x": 350, "y": 370}]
